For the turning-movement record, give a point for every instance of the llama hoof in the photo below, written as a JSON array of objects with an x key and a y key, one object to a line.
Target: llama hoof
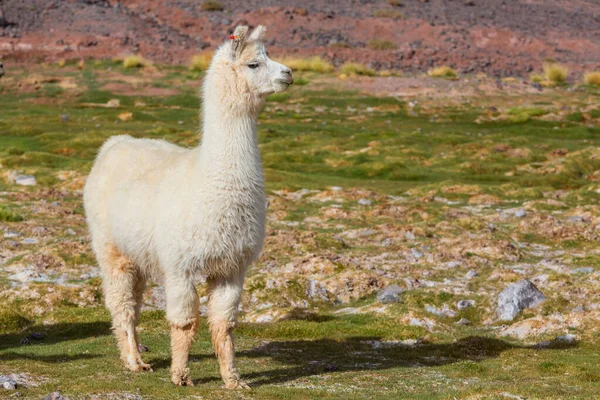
[
  {"x": 237, "y": 384},
  {"x": 179, "y": 381},
  {"x": 140, "y": 367},
  {"x": 181, "y": 378}
]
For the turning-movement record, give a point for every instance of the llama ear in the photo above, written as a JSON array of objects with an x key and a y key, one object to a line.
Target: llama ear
[
  {"x": 238, "y": 41},
  {"x": 258, "y": 35}
]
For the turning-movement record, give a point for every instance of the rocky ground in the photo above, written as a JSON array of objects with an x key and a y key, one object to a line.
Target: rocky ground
[
  {"x": 420, "y": 232},
  {"x": 505, "y": 38}
]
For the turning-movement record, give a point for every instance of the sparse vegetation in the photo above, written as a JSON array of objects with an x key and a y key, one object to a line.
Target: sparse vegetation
[
  {"x": 444, "y": 72},
  {"x": 200, "y": 62},
  {"x": 351, "y": 68},
  {"x": 451, "y": 196},
  {"x": 212, "y": 5},
  {"x": 381, "y": 44},
  {"x": 592, "y": 78},
  {"x": 556, "y": 73},
  {"x": 536, "y": 78},
  {"x": 8, "y": 215},
  {"x": 314, "y": 64},
  {"x": 134, "y": 61},
  {"x": 388, "y": 13},
  {"x": 395, "y": 3}
]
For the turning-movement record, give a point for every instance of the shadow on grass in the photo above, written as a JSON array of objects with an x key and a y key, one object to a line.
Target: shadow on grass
[
  {"x": 304, "y": 358},
  {"x": 48, "y": 335}
]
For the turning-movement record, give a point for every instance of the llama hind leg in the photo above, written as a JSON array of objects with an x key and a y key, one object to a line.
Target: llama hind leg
[
  {"x": 123, "y": 290},
  {"x": 224, "y": 299},
  {"x": 183, "y": 315}
]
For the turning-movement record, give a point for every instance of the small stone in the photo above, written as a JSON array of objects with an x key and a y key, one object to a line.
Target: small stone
[
  {"x": 416, "y": 253},
  {"x": 464, "y": 304},
  {"x": 70, "y": 232},
  {"x": 364, "y": 202},
  {"x": 11, "y": 234},
  {"x": 29, "y": 241},
  {"x": 142, "y": 348},
  {"x": 471, "y": 274},
  {"x": 7, "y": 382},
  {"x": 25, "y": 180},
  {"x": 409, "y": 236},
  {"x": 583, "y": 270},
  {"x": 520, "y": 213},
  {"x": 337, "y": 188},
  {"x": 516, "y": 297},
  {"x": 64, "y": 118},
  {"x": 390, "y": 294},
  {"x": 578, "y": 309},
  {"x": 55, "y": 396},
  {"x": 463, "y": 321}
]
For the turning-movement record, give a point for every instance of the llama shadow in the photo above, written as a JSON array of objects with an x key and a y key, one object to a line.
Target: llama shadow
[
  {"x": 50, "y": 334},
  {"x": 305, "y": 358}
]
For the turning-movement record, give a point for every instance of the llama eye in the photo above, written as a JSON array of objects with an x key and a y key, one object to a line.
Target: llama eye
[{"x": 253, "y": 65}]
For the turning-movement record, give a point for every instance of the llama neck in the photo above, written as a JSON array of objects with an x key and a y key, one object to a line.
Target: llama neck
[{"x": 229, "y": 153}]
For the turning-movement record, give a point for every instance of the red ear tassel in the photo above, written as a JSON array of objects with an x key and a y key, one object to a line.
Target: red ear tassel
[{"x": 232, "y": 37}]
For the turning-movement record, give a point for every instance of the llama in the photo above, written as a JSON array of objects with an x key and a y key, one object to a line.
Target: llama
[{"x": 153, "y": 207}]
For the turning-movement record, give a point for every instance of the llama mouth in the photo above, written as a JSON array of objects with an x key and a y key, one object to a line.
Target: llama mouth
[{"x": 286, "y": 81}]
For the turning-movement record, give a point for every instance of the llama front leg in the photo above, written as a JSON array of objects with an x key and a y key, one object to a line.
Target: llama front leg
[
  {"x": 224, "y": 298},
  {"x": 183, "y": 315}
]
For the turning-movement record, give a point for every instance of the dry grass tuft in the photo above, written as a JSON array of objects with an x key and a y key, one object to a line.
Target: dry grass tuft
[
  {"x": 200, "y": 62},
  {"x": 443, "y": 72},
  {"x": 395, "y": 3},
  {"x": 136, "y": 61},
  {"x": 351, "y": 69},
  {"x": 380, "y": 44},
  {"x": 592, "y": 78},
  {"x": 212, "y": 5},
  {"x": 388, "y": 13},
  {"x": 314, "y": 64},
  {"x": 556, "y": 73}
]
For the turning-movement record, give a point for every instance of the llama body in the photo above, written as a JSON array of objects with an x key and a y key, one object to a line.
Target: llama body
[{"x": 155, "y": 208}]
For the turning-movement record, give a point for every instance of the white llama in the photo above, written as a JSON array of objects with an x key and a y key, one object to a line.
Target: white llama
[{"x": 155, "y": 207}]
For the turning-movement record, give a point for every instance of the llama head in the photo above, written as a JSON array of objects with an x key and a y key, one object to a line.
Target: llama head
[{"x": 254, "y": 71}]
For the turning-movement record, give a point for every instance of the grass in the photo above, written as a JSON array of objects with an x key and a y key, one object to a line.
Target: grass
[
  {"x": 444, "y": 72},
  {"x": 592, "y": 78},
  {"x": 200, "y": 62},
  {"x": 556, "y": 73},
  {"x": 419, "y": 163},
  {"x": 313, "y": 64},
  {"x": 212, "y": 5},
  {"x": 134, "y": 61},
  {"x": 381, "y": 44},
  {"x": 351, "y": 69}
]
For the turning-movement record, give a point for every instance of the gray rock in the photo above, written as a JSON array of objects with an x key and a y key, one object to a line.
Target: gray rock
[
  {"x": 364, "y": 202},
  {"x": 70, "y": 232},
  {"x": 463, "y": 321},
  {"x": 390, "y": 294},
  {"x": 25, "y": 180},
  {"x": 464, "y": 304},
  {"x": 7, "y": 382},
  {"x": 337, "y": 188},
  {"x": 520, "y": 213},
  {"x": 11, "y": 234},
  {"x": 516, "y": 297},
  {"x": 316, "y": 290},
  {"x": 29, "y": 241},
  {"x": 440, "y": 312},
  {"x": 409, "y": 236}
]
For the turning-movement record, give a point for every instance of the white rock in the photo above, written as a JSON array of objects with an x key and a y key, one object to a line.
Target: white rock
[{"x": 25, "y": 180}]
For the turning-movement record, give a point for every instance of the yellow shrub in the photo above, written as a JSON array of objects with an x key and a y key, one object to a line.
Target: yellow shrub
[
  {"x": 200, "y": 62},
  {"x": 351, "y": 68},
  {"x": 62, "y": 63},
  {"x": 388, "y": 13},
  {"x": 136, "y": 61},
  {"x": 443, "y": 72},
  {"x": 212, "y": 5},
  {"x": 537, "y": 78},
  {"x": 555, "y": 72},
  {"x": 315, "y": 64},
  {"x": 592, "y": 78}
]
